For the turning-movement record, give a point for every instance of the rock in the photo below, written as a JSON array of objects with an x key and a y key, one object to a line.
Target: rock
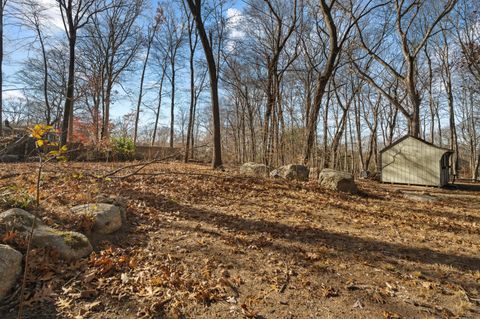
[
  {"x": 254, "y": 169},
  {"x": 19, "y": 220},
  {"x": 118, "y": 201},
  {"x": 10, "y": 268},
  {"x": 337, "y": 181},
  {"x": 292, "y": 171},
  {"x": 107, "y": 218},
  {"x": 364, "y": 174},
  {"x": 70, "y": 245},
  {"x": 313, "y": 173},
  {"x": 418, "y": 197},
  {"x": 7, "y": 158}
]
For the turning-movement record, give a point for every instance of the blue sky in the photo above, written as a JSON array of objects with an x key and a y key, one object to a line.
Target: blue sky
[{"x": 19, "y": 44}]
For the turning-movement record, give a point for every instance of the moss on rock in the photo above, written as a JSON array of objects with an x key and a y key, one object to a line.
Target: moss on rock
[{"x": 73, "y": 240}]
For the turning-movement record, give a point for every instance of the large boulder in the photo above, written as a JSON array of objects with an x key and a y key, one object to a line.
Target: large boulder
[
  {"x": 107, "y": 218},
  {"x": 337, "y": 181},
  {"x": 69, "y": 245},
  {"x": 254, "y": 169},
  {"x": 313, "y": 173},
  {"x": 10, "y": 268},
  {"x": 292, "y": 171},
  {"x": 420, "y": 197},
  {"x": 19, "y": 220},
  {"x": 116, "y": 200}
]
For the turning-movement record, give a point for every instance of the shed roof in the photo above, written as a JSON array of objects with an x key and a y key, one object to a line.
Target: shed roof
[{"x": 418, "y": 139}]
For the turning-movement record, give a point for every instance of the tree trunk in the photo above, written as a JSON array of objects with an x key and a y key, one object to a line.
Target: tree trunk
[
  {"x": 106, "y": 115},
  {"x": 325, "y": 133},
  {"x": 192, "y": 94},
  {"x": 323, "y": 78},
  {"x": 268, "y": 114},
  {"x": 414, "y": 121},
  {"x": 477, "y": 169},
  {"x": 337, "y": 138},
  {"x": 172, "y": 105},
  {"x": 195, "y": 8},
  {"x": 45, "y": 74},
  {"x": 312, "y": 118},
  {"x": 430, "y": 97},
  {"x": 414, "y": 118},
  {"x": 70, "y": 87},
  {"x": 358, "y": 128},
  {"x": 154, "y": 136},
  {"x": 140, "y": 94},
  {"x": 192, "y": 137},
  {"x": 251, "y": 126},
  {"x": 453, "y": 129},
  {"x": 2, "y": 10},
  {"x": 70, "y": 126}
]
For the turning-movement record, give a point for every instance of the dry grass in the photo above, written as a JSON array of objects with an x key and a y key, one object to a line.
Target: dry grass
[{"x": 203, "y": 244}]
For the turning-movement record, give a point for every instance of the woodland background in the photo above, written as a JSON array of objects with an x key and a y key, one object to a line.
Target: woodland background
[{"x": 326, "y": 83}]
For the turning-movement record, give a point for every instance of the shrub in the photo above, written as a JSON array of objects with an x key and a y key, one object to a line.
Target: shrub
[{"x": 123, "y": 148}]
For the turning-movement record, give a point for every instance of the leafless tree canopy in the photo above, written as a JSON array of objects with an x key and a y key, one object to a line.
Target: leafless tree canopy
[{"x": 327, "y": 83}]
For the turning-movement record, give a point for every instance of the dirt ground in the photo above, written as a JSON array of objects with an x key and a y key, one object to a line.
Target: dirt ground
[{"x": 207, "y": 244}]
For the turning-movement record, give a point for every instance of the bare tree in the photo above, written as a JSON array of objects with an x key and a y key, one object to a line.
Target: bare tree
[
  {"x": 196, "y": 87},
  {"x": 467, "y": 32},
  {"x": 3, "y": 4},
  {"x": 337, "y": 30},
  {"x": 119, "y": 38},
  {"x": 152, "y": 29},
  {"x": 32, "y": 14},
  {"x": 173, "y": 39},
  {"x": 272, "y": 25},
  {"x": 160, "y": 62},
  {"x": 75, "y": 15},
  {"x": 195, "y": 7},
  {"x": 32, "y": 75},
  {"x": 446, "y": 69},
  {"x": 414, "y": 23}
]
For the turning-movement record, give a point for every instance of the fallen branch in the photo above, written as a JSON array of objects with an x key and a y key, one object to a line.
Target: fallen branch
[
  {"x": 139, "y": 165},
  {"x": 198, "y": 174}
]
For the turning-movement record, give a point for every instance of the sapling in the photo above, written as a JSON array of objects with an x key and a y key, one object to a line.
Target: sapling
[{"x": 41, "y": 134}]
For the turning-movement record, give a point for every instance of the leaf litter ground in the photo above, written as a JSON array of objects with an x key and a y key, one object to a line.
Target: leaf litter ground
[{"x": 209, "y": 244}]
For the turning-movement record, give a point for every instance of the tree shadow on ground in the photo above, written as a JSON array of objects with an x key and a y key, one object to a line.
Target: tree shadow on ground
[
  {"x": 461, "y": 186},
  {"x": 432, "y": 224},
  {"x": 45, "y": 310},
  {"x": 365, "y": 248},
  {"x": 290, "y": 241}
]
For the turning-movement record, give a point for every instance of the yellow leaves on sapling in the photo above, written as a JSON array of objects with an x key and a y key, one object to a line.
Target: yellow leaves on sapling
[{"x": 40, "y": 132}]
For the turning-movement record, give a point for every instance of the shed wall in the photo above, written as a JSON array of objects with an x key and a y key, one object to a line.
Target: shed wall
[{"x": 412, "y": 162}]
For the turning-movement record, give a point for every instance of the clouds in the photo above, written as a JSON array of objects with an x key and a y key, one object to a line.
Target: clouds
[
  {"x": 53, "y": 19},
  {"x": 234, "y": 25},
  {"x": 235, "y": 20},
  {"x": 13, "y": 95}
]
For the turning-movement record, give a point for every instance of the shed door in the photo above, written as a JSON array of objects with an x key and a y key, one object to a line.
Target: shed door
[{"x": 444, "y": 169}]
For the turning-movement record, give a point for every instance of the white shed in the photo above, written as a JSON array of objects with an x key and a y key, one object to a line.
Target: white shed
[{"x": 410, "y": 160}]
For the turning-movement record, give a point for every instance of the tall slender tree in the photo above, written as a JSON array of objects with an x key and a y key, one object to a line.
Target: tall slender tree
[
  {"x": 3, "y": 4},
  {"x": 152, "y": 29},
  {"x": 195, "y": 7},
  {"x": 75, "y": 15}
]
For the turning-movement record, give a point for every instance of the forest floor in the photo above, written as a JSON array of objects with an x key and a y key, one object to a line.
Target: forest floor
[{"x": 210, "y": 244}]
